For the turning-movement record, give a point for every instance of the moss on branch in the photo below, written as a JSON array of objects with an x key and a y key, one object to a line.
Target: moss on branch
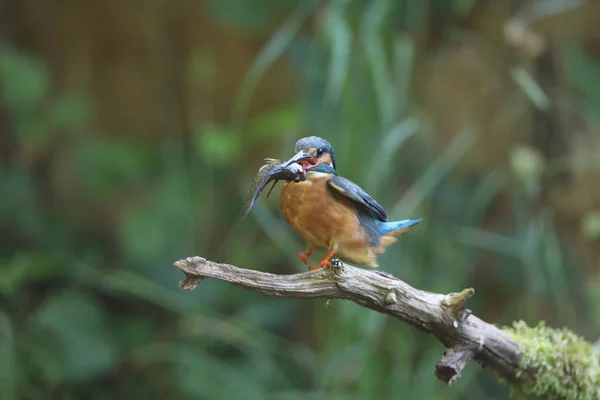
[{"x": 556, "y": 364}]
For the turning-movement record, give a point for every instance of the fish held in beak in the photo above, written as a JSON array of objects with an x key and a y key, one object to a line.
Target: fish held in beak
[{"x": 274, "y": 171}]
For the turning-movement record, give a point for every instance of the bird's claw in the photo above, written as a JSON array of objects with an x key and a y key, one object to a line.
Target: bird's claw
[
  {"x": 304, "y": 257},
  {"x": 334, "y": 263},
  {"x": 326, "y": 262},
  {"x": 313, "y": 267}
]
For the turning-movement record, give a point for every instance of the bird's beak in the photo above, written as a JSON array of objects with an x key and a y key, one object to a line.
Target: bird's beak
[{"x": 306, "y": 160}]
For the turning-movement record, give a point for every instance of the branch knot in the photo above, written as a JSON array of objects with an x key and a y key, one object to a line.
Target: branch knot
[
  {"x": 455, "y": 303},
  {"x": 391, "y": 297}
]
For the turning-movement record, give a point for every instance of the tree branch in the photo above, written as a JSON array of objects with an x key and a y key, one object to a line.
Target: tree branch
[{"x": 464, "y": 335}]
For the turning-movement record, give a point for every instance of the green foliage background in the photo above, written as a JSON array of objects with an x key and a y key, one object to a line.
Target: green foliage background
[{"x": 129, "y": 133}]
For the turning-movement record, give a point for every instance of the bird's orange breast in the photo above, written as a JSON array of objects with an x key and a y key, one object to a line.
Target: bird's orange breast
[{"x": 319, "y": 217}]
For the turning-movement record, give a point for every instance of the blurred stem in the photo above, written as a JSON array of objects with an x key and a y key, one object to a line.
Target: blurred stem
[
  {"x": 372, "y": 23},
  {"x": 434, "y": 174},
  {"x": 532, "y": 12},
  {"x": 267, "y": 56}
]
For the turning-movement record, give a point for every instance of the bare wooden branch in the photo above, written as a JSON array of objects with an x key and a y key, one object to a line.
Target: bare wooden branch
[{"x": 464, "y": 335}]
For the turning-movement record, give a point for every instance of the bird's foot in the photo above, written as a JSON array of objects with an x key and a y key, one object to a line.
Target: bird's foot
[
  {"x": 304, "y": 257},
  {"x": 320, "y": 265},
  {"x": 324, "y": 262}
]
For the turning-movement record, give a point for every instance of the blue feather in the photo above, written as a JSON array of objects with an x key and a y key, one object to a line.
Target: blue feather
[
  {"x": 396, "y": 225},
  {"x": 376, "y": 228}
]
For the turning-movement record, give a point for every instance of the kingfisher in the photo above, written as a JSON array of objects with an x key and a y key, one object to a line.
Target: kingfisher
[{"x": 333, "y": 213}]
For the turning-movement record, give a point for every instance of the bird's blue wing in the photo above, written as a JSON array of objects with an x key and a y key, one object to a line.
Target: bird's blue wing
[{"x": 353, "y": 192}]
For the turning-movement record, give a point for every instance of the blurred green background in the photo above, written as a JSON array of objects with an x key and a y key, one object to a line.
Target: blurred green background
[{"x": 129, "y": 131}]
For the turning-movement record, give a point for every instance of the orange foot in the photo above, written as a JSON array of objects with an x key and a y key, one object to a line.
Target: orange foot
[
  {"x": 324, "y": 262},
  {"x": 304, "y": 256}
]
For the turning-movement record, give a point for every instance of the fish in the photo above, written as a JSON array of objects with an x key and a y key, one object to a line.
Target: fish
[{"x": 273, "y": 171}]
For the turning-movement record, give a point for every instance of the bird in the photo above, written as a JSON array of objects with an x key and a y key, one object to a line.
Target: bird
[{"x": 333, "y": 213}]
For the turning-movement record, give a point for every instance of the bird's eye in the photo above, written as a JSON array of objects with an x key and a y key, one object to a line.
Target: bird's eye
[{"x": 320, "y": 152}]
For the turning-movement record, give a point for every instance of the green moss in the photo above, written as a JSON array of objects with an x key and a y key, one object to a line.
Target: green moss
[{"x": 557, "y": 364}]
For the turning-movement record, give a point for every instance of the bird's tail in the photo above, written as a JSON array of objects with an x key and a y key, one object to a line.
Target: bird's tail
[
  {"x": 397, "y": 228},
  {"x": 391, "y": 230}
]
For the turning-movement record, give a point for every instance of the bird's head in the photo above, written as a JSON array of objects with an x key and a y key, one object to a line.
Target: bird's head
[{"x": 312, "y": 151}]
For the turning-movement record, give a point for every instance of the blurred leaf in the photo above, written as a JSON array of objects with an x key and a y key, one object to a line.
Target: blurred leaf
[
  {"x": 80, "y": 325},
  {"x": 342, "y": 365},
  {"x": 275, "y": 230},
  {"x": 143, "y": 233},
  {"x": 485, "y": 193},
  {"x": 596, "y": 348},
  {"x": 530, "y": 87},
  {"x": 256, "y": 14},
  {"x": 463, "y": 7},
  {"x": 20, "y": 209},
  {"x": 202, "y": 68},
  {"x": 340, "y": 38},
  {"x": 106, "y": 167},
  {"x": 24, "y": 80},
  {"x": 262, "y": 364},
  {"x": 69, "y": 110},
  {"x": 203, "y": 376},
  {"x": 404, "y": 53},
  {"x": 528, "y": 164},
  {"x": 218, "y": 145},
  {"x": 435, "y": 173},
  {"x": 591, "y": 225},
  {"x": 134, "y": 332},
  {"x": 276, "y": 121},
  {"x": 553, "y": 261},
  {"x": 8, "y": 361},
  {"x": 582, "y": 71},
  {"x": 593, "y": 297},
  {"x": 373, "y": 21},
  {"x": 527, "y": 160},
  {"x": 266, "y": 314},
  {"x": 45, "y": 355},
  {"x": 267, "y": 56},
  {"x": 315, "y": 395},
  {"x": 26, "y": 268},
  {"x": 388, "y": 147},
  {"x": 125, "y": 282},
  {"x": 32, "y": 128},
  {"x": 530, "y": 246}
]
